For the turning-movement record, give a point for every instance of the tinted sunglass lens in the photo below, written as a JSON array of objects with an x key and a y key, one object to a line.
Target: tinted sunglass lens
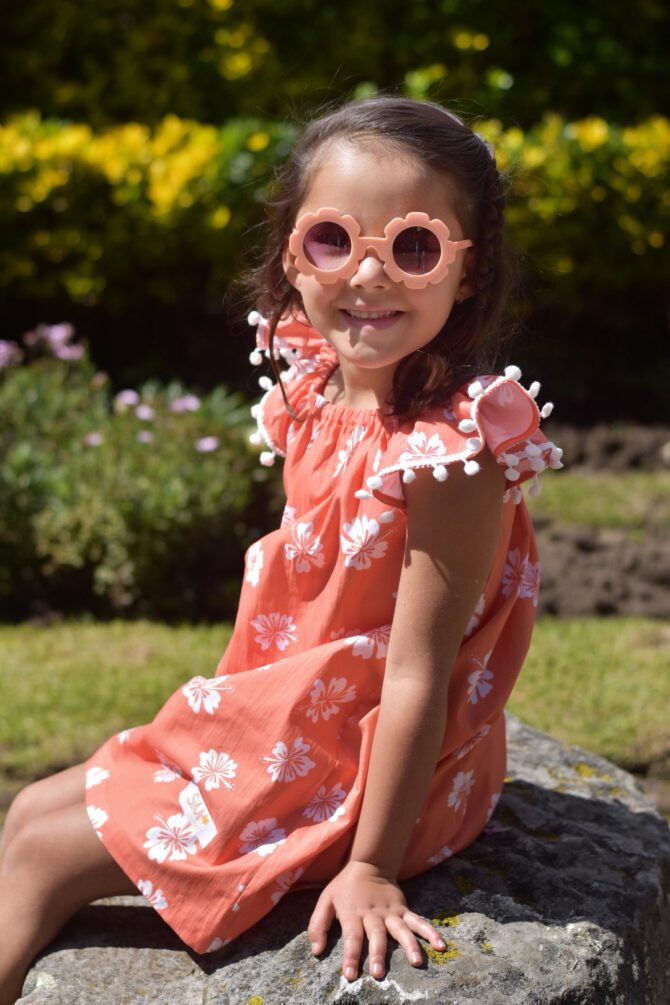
[
  {"x": 416, "y": 250},
  {"x": 327, "y": 245}
]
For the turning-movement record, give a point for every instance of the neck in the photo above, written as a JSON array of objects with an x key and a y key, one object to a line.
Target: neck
[{"x": 353, "y": 388}]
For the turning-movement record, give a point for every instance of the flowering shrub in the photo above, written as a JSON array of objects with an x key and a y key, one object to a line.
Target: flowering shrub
[{"x": 139, "y": 502}]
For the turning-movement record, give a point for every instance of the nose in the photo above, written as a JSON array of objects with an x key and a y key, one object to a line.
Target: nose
[{"x": 370, "y": 271}]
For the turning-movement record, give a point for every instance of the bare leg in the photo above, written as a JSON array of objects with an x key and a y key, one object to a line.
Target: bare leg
[
  {"x": 53, "y": 793},
  {"x": 53, "y": 865}
]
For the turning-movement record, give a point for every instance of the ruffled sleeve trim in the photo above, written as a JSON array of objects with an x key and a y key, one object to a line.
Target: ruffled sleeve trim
[
  {"x": 308, "y": 356},
  {"x": 493, "y": 411}
]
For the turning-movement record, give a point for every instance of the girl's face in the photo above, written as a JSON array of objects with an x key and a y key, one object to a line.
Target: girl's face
[{"x": 375, "y": 184}]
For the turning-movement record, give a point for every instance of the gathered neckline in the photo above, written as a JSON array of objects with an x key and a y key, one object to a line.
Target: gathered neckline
[{"x": 343, "y": 413}]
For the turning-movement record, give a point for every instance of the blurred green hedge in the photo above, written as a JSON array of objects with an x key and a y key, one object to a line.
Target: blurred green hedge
[
  {"x": 138, "y": 215},
  {"x": 139, "y": 504}
]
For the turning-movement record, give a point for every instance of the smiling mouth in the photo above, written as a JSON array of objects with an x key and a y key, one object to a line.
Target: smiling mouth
[{"x": 372, "y": 315}]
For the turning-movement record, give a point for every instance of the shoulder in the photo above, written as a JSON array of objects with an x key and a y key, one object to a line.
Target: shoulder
[{"x": 492, "y": 421}]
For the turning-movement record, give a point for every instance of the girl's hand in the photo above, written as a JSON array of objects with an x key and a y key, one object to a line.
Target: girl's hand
[{"x": 368, "y": 903}]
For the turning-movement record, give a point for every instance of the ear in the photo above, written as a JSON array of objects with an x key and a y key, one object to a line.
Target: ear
[
  {"x": 288, "y": 264},
  {"x": 466, "y": 286}
]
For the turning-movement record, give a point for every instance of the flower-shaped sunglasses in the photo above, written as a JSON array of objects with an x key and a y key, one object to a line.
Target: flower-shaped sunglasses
[{"x": 414, "y": 250}]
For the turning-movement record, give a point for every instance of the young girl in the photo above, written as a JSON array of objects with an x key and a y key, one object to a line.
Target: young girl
[{"x": 353, "y": 734}]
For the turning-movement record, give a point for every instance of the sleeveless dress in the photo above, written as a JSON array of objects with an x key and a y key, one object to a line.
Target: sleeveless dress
[{"x": 249, "y": 784}]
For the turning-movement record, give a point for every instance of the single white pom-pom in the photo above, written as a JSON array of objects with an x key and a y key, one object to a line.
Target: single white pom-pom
[
  {"x": 517, "y": 495},
  {"x": 256, "y": 357},
  {"x": 535, "y": 487},
  {"x": 533, "y": 450},
  {"x": 265, "y": 383},
  {"x": 256, "y": 439},
  {"x": 513, "y": 372},
  {"x": 534, "y": 389},
  {"x": 467, "y": 426},
  {"x": 547, "y": 409},
  {"x": 255, "y": 411},
  {"x": 440, "y": 473},
  {"x": 284, "y": 352},
  {"x": 555, "y": 457},
  {"x": 506, "y": 495},
  {"x": 512, "y": 475},
  {"x": 254, "y": 318},
  {"x": 474, "y": 443},
  {"x": 387, "y": 517},
  {"x": 511, "y": 460},
  {"x": 471, "y": 467},
  {"x": 537, "y": 464},
  {"x": 267, "y": 458},
  {"x": 475, "y": 389},
  {"x": 375, "y": 482},
  {"x": 408, "y": 476},
  {"x": 363, "y": 494}
]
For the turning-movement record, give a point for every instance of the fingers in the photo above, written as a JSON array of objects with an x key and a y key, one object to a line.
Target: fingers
[
  {"x": 375, "y": 930},
  {"x": 352, "y": 937},
  {"x": 425, "y": 929},
  {"x": 320, "y": 922}
]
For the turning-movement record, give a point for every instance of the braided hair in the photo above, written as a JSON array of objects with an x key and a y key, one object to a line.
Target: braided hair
[{"x": 469, "y": 341}]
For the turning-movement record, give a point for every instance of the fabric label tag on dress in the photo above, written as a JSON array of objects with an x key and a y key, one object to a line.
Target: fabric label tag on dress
[{"x": 199, "y": 816}]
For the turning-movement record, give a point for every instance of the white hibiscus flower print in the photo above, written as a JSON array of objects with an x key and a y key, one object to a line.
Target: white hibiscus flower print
[
  {"x": 175, "y": 839},
  {"x": 323, "y": 805},
  {"x": 262, "y": 836},
  {"x": 478, "y": 680},
  {"x": 364, "y": 645},
  {"x": 274, "y": 629},
  {"x": 514, "y": 572},
  {"x": 530, "y": 582},
  {"x": 216, "y": 767},
  {"x": 154, "y": 897},
  {"x": 97, "y": 816},
  {"x": 473, "y": 623},
  {"x": 205, "y": 693},
  {"x": 124, "y": 735},
  {"x": 254, "y": 564},
  {"x": 444, "y": 853},
  {"x": 360, "y": 543},
  {"x": 217, "y": 943},
  {"x": 170, "y": 771},
  {"x": 95, "y": 775},
  {"x": 470, "y": 744},
  {"x": 419, "y": 447},
  {"x": 305, "y": 549},
  {"x": 285, "y": 882},
  {"x": 285, "y": 765},
  {"x": 377, "y": 463},
  {"x": 461, "y": 789},
  {"x": 326, "y": 701},
  {"x": 494, "y": 802},
  {"x": 288, "y": 516},
  {"x": 344, "y": 456}
]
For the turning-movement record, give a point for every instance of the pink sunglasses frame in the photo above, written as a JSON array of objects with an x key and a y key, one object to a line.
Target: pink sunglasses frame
[{"x": 360, "y": 244}]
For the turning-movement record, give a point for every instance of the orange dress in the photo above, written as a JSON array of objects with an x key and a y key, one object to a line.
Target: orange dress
[{"x": 249, "y": 783}]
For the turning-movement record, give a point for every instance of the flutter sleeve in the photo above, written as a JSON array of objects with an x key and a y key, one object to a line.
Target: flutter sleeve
[
  {"x": 307, "y": 356},
  {"x": 492, "y": 411}
]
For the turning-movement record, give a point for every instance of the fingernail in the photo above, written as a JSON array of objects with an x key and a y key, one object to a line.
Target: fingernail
[
  {"x": 315, "y": 947},
  {"x": 416, "y": 957},
  {"x": 377, "y": 969},
  {"x": 350, "y": 973},
  {"x": 441, "y": 944}
]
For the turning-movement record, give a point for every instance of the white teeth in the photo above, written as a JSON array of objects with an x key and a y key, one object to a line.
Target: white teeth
[{"x": 372, "y": 315}]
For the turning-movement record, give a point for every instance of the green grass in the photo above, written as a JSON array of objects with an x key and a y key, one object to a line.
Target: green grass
[
  {"x": 633, "y": 500},
  {"x": 603, "y": 684}
]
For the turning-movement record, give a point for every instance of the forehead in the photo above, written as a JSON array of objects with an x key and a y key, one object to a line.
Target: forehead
[{"x": 376, "y": 181}]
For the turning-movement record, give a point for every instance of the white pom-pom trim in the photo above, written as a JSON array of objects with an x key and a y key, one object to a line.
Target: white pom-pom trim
[
  {"x": 256, "y": 357},
  {"x": 535, "y": 487},
  {"x": 375, "y": 482},
  {"x": 475, "y": 389},
  {"x": 513, "y": 372},
  {"x": 363, "y": 494},
  {"x": 254, "y": 318},
  {"x": 256, "y": 439},
  {"x": 547, "y": 409},
  {"x": 467, "y": 426},
  {"x": 534, "y": 389},
  {"x": 511, "y": 460},
  {"x": 265, "y": 383},
  {"x": 471, "y": 467},
  {"x": 474, "y": 443},
  {"x": 517, "y": 495},
  {"x": 267, "y": 458},
  {"x": 408, "y": 476},
  {"x": 533, "y": 450},
  {"x": 537, "y": 464},
  {"x": 255, "y": 411},
  {"x": 440, "y": 473},
  {"x": 387, "y": 517},
  {"x": 512, "y": 475}
]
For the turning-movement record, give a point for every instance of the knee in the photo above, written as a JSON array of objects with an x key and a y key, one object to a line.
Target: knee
[
  {"x": 26, "y": 806},
  {"x": 26, "y": 844}
]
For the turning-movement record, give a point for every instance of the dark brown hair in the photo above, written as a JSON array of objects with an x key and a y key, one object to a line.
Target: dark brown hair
[{"x": 468, "y": 342}]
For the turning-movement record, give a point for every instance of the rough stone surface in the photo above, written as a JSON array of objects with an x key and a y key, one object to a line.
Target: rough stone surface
[{"x": 564, "y": 899}]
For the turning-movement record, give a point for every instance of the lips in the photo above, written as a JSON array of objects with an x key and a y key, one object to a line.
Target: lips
[
  {"x": 378, "y": 320},
  {"x": 371, "y": 315}
]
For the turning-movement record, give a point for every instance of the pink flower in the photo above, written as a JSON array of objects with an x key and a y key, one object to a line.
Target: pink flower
[
  {"x": 127, "y": 399},
  {"x": 186, "y": 403},
  {"x": 145, "y": 436},
  {"x": 93, "y": 439},
  {"x": 9, "y": 353},
  {"x": 145, "y": 412},
  {"x": 206, "y": 444},
  {"x": 68, "y": 352}
]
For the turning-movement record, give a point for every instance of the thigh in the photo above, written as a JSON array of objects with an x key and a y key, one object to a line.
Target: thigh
[{"x": 43, "y": 797}]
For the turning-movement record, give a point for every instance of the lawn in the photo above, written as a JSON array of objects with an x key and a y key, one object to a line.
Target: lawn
[{"x": 603, "y": 684}]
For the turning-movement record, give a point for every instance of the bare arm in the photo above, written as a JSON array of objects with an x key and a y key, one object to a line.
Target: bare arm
[{"x": 452, "y": 530}]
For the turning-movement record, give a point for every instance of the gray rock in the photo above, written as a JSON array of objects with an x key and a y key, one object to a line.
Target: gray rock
[{"x": 564, "y": 898}]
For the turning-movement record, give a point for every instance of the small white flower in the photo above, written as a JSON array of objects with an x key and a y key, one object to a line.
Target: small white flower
[
  {"x": 285, "y": 765},
  {"x": 95, "y": 775},
  {"x": 285, "y": 882},
  {"x": 175, "y": 839},
  {"x": 123, "y": 736},
  {"x": 478, "y": 680},
  {"x": 170, "y": 771},
  {"x": 323, "y": 805},
  {"x": 97, "y": 816},
  {"x": 203, "y": 692},
  {"x": 470, "y": 744},
  {"x": 530, "y": 582},
  {"x": 360, "y": 543},
  {"x": 419, "y": 447},
  {"x": 305, "y": 549},
  {"x": 494, "y": 802},
  {"x": 364, "y": 644},
  {"x": 262, "y": 836},
  {"x": 154, "y": 897},
  {"x": 288, "y": 516},
  {"x": 274, "y": 629},
  {"x": 473, "y": 623},
  {"x": 444, "y": 853},
  {"x": 461, "y": 789},
  {"x": 514, "y": 572},
  {"x": 344, "y": 456},
  {"x": 255, "y": 560},
  {"x": 216, "y": 767},
  {"x": 325, "y": 702}
]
